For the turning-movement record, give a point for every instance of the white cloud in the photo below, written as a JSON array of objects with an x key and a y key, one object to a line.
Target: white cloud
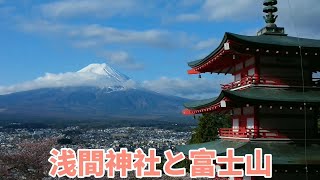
[
  {"x": 189, "y": 88},
  {"x": 122, "y": 59},
  {"x": 97, "y": 35},
  {"x": 97, "y": 8},
  {"x": 229, "y": 9},
  {"x": 205, "y": 44},
  {"x": 298, "y": 17},
  {"x": 50, "y": 80},
  {"x": 42, "y": 26},
  {"x": 218, "y": 10},
  {"x": 112, "y": 35},
  {"x": 188, "y": 3},
  {"x": 187, "y": 17}
]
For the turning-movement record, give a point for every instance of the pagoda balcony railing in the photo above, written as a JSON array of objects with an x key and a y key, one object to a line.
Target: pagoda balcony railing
[
  {"x": 267, "y": 80},
  {"x": 261, "y": 133}
]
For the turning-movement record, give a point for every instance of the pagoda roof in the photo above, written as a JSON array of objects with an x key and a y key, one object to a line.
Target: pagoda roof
[
  {"x": 261, "y": 95},
  {"x": 279, "y": 150},
  {"x": 265, "y": 41},
  {"x": 198, "y": 104}
]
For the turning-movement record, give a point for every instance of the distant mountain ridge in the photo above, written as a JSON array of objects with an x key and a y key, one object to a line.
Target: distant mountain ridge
[{"x": 112, "y": 100}]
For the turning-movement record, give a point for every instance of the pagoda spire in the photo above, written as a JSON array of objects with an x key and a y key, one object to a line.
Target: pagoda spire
[
  {"x": 271, "y": 28},
  {"x": 270, "y": 8}
]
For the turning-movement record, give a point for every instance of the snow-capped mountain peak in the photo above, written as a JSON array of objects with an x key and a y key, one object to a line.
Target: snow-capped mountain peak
[
  {"x": 93, "y": 75},
  {"x": 104, "y": 70}
]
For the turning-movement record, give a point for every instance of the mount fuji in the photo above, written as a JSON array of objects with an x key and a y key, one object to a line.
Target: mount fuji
[
  {"x": 94, "y": 92},
  {"x": 106, "y": 71}
]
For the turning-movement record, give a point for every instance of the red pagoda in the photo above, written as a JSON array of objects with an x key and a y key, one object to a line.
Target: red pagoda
[{"x": 273, "y": 101}]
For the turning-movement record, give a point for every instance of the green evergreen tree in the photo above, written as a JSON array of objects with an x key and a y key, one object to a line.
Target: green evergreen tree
[{"x": 208, "y": 126}]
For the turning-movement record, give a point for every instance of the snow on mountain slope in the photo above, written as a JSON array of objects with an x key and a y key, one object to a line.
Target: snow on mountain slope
[
  {"x": 104, "y": 70},
  {"x": 94, "y": 75}
]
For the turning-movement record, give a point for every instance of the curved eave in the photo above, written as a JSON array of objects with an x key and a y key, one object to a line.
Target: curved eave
[
  {"x": 199, "y": 62},
  {"x": 256, "y": 95},
  {"x": 207, "y": 105},
  {"x": 195, "y": 105}
]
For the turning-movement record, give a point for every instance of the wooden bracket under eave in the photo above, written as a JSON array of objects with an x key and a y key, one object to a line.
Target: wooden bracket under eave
[
  {"x": 193, "y": 71},
  {"x": 187, "y": 112}
]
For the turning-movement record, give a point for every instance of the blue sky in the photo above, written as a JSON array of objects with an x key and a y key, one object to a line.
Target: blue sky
[{"x": 150, "y": 41}]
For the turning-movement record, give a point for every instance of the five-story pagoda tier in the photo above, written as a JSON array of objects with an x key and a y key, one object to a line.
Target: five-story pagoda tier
[{"x": 274, "y": 99}]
